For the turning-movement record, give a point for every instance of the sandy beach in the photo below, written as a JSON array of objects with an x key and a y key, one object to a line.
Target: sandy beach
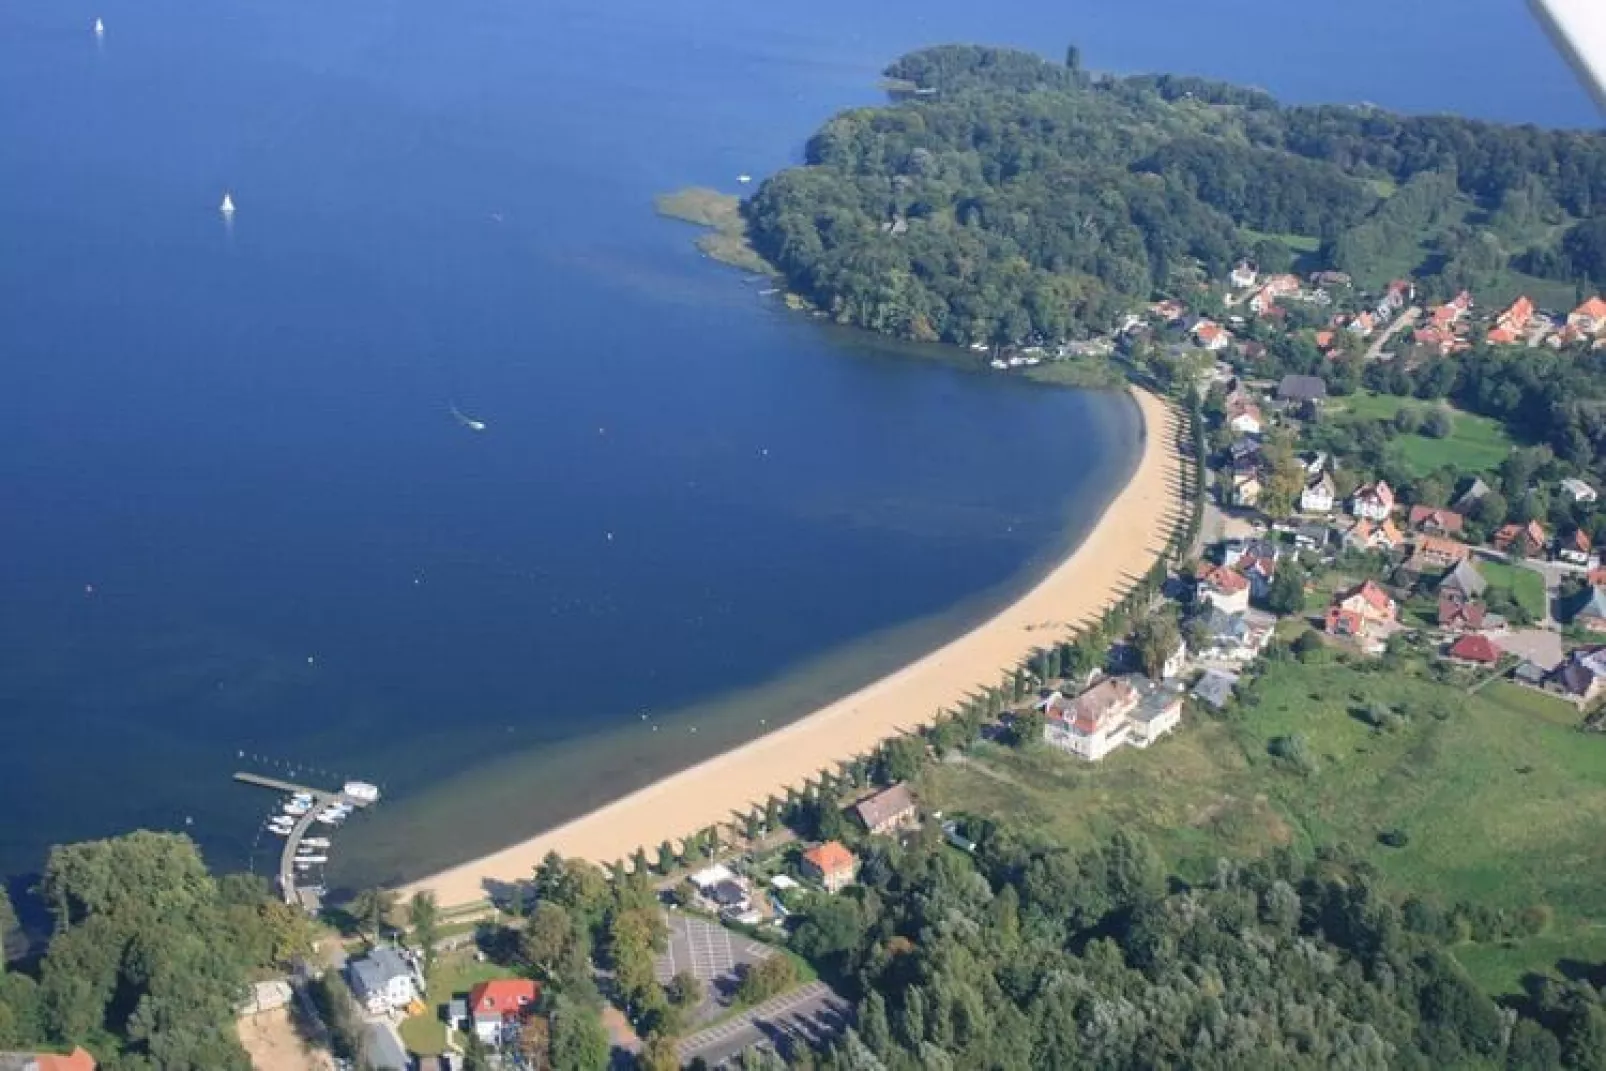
[{"x": 1117, "y": 552}]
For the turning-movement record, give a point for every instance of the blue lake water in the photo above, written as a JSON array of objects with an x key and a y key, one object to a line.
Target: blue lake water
[{"x": 239, "y": 525}]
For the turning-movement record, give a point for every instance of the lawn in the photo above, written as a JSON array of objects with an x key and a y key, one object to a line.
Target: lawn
[
  {"x": 455, "y": 974},
  {"x": 1299, "y": 243},
  {"x": 1499, "y": 797},
  {"x": 1525, "y": 585},
  {"x": 1475, "y": 443}
]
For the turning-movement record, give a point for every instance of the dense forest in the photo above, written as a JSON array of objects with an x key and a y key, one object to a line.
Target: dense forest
[
  {"x": 149, "y": 958},
  {"x": 1034, "y": 957},
  {"x": 1004, "y": 197}
]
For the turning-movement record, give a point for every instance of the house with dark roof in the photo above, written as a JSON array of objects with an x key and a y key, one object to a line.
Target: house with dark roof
[
  {"x": 1475, "y": 492},
  {"x": 1234, "y": 637},
  {"x": 1302, "y": 390},
  {"x": 1464, "y": 580},
  {"x": 382, "y": 981},
  {"x": 1589, "y": 612},
  {"x": 1216, "y": 688},
  {"x": 888, "y": 811},
  {"x": 1582, "y": 677}
]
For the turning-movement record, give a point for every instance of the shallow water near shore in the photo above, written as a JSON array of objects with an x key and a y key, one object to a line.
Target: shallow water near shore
[{"x": 241, "y": 526}]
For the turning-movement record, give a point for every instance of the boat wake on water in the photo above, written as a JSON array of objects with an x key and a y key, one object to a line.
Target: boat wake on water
[{"x": 467, "y": 421}]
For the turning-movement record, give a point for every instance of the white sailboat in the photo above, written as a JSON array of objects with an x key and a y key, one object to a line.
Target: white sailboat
[
  {"x": 744, "y": 179},
  {"x": 100, "y": 28},
  {"x": 227, "y": 207}
]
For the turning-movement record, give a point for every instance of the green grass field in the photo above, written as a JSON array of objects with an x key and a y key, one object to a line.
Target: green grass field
[
  {"x": 1525, "y": 585},
  {"x": 1500, "y": 797},
  {"x": 1475, "y": 443},
  {"x": 1299, "y": 243}
]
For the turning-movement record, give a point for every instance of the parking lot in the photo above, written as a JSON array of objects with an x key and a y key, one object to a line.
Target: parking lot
[
  {"x": 806, "y": 1016},
  {"x": 710, "y": 952}
]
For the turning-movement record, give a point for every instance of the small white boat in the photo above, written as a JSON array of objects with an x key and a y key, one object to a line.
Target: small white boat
[
  {"x": 744, "y": 179},
  {"x": 100, "y": 28},
  {"x": 227, "y": 207},
  {"x": 472, "y": 425},
  {"x": 331, "y": 819},
  {"x": 310, "y": 860},
  {"x": 315, "y": 842},
  {"x": 362, "y": 790}
]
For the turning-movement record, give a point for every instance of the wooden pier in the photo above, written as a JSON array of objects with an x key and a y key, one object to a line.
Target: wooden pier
[{"x": 321, "y": 798}]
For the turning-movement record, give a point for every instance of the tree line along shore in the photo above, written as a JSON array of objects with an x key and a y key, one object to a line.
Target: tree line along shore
[{"x": 1370, "y": 846}]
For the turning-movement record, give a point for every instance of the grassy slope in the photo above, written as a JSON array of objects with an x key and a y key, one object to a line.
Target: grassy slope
[
  {"x": 1475, "y": 443},
  {"x": 1502, "y": 799}
]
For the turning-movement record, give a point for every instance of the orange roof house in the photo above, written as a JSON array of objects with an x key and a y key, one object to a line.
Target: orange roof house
[
  {"x": 77, "y": 1060},
  {"x": 831, "y": 864},
  {"x": 502, "y": 1000},
  {"x": 1436, "y": 520},
  {"x": 1590, "y": 317},
  {"x": 1528, "y": 540},
  {"x": 1355, "y": 611},
  {"x": 1518, "y": 315}
]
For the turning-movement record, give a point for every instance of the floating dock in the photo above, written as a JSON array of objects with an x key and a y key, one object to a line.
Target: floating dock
[{"x": 321, "y": 798}]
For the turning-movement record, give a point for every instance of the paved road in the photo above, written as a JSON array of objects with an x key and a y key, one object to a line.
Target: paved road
[
  {"x": 385, "y": 1048},
  {"x": 1374, "y": 352},
  {"x": 808, "y": 1015}
]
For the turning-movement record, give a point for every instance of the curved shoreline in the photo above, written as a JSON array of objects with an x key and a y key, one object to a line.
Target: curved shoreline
[{"x": 1117, "y": 551}]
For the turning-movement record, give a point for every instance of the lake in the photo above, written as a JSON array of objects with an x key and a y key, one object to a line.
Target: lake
[{"x": 242, "y": 528}]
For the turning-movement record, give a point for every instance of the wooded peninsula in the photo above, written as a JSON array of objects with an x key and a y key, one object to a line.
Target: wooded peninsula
[{"x": 1007, "y": 198}]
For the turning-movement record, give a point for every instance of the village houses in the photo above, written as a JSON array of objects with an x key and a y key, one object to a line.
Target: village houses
[
  {"x": 1523, "y": 540},
  {"x": 1115, "y": 711},
  {"x": 888, "y": 811},
  {"x": 1432, "y": 520},
  {"x": 1576, "y": 548},
  {"x": 1372, "y": 501},
  {"x": 1361, "y": 611},
  {"x": 1589, "y": 318},
  {"x": 1243, "y": 417},
  {"x": 1511, "y": 324},
  {"x": 1579, "y": 491},
  {"x": 1365, "y": 535},
  {"x": 1317, "y": 496},
  {"x": 498, "y": 1008},
  {"x": 1246, "y": 489},
  {"x": 1237, "y": 638},
  {"x": 1222, "y": 587},
  {"x": 382, "y": 981},
  {"x": 830, "y": 864}
]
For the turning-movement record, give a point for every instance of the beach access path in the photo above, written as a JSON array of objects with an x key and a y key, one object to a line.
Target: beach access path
[{"x": 1118, "y": 551}]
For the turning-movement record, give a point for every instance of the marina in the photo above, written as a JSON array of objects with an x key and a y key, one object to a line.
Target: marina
[{"x": 303, "y": 806}]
